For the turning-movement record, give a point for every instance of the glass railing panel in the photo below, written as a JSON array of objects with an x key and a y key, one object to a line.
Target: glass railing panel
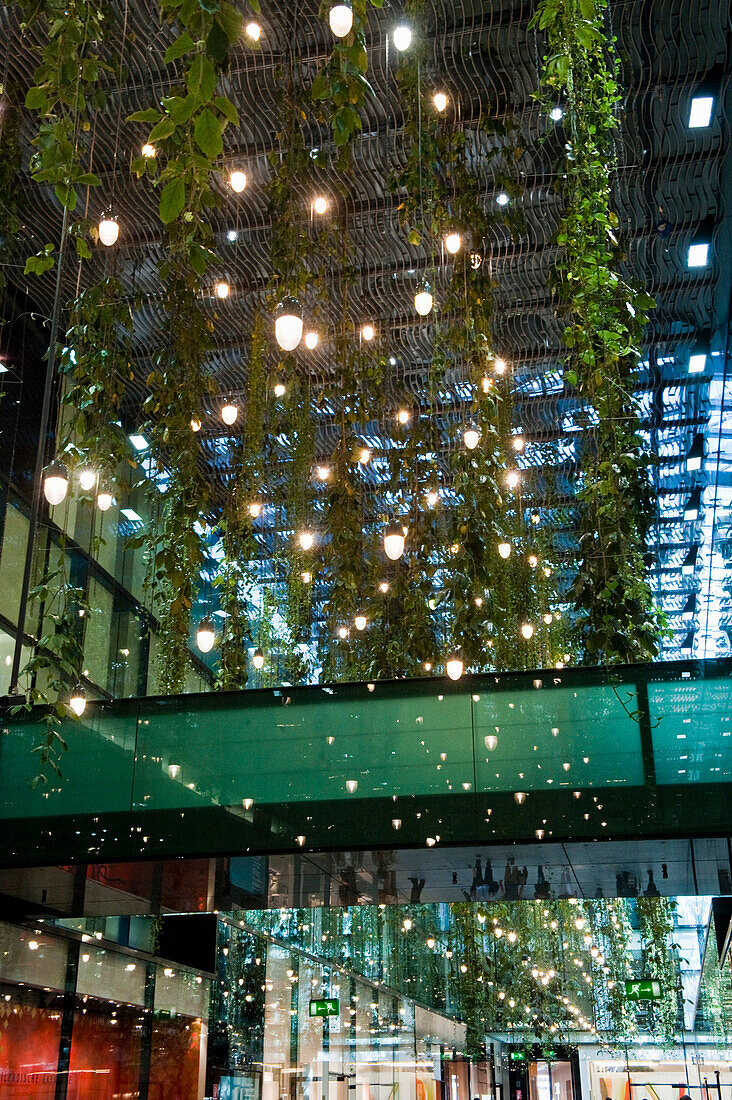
[
  {"x": 551, "y": 736},
  {"x": 691, "y": 725},
  {"x": 298, "y": 746}
]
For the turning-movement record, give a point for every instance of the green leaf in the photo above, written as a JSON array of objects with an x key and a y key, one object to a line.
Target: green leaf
[
  {"x": 201, "y": 79},
  {"x": 35, "y": 99},
  {"x": 207, "y": 134},
  {"x": 172, "y": 201},
  {"x": 227, "y": 108},
  {"x": 164, "y": 129},
  {"x": 231, "y": 22},
  {"x": 217, "y": 43},
  {"x": 182, "y": 45},
  {"x": 148, "y": 115}
]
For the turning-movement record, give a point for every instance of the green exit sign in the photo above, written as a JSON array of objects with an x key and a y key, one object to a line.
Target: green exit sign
[
  {"x": 328, "y": 1007},
  {"x": 517, "y": 1056},
  {"x": 643, "y": 990}
]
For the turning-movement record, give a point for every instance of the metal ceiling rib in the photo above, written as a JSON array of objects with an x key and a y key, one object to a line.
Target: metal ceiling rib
[{"x": 486, "y": 59}]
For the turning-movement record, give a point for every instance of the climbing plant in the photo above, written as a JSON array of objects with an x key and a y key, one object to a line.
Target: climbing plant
[{"x": 604, "y": 316}]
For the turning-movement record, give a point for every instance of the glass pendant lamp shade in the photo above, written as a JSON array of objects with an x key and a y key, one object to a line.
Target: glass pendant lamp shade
[
  {"x": 104, "y": 500},
  {"x": 306, "y": 540},
  {"x": 394, "y": 543},
  {"x": 340, "y": 18},
  {"x": 205, "y": 635},
  {"x": 108, "y": 230},
  {"x": 288, "y": 324},
  {"x": 454, "y": 668},
  {"x": 55, "y": 482},
  {"x": 402, "y": 37},
  {"x": 229, "y": 413},
  {"x": 504, "y": 549},
  {"x": 87, "y": 478},
  {"x": 77, "y": 702},
  {"x": 238, "y": 180},
  {"x": 453, "y": 243},
  {"x": 258, "y": 659},
  {"x": 360, "y": 622},
  {"x": 423, "y": 300},
  {"x": 440, "y": 101},
  {"x": 471, "y": 437}
]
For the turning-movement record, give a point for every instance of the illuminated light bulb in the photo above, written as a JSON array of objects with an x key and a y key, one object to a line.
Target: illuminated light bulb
[
  {"x": 306, "y": 540},
  {"x": 454, "y": 668},
  {"x": 364, "y": 456},
  {"x": 432, "y": 498},
  {"x": 253, "y": 31},
  {"x": 548, "y": 618},
  {"x": 394, "y": 543},
  {"x": 306, "y": 577},
  {"x": 384, "y": 587},
  {"x": 195, "y": 424},
  {"x": 108, "y": 230},
  {"x": 368, "y": 332},
  {"x": 222, "y": 290},
  {"x": 148, "y": 151},
  {"x": 471, "y": 438},
  {"x": 403, "y": 416},
  {"x": 342, "y": 632},
  {"x": 104, "y": 500},
  {"x": 535, "y": 517},
  {"x": 407, "y": 925},
  {"x": 320, "y": 205},
  {"x": 566, "y": 766},
  {"x": 229, "y": 414},
  {"x": 255, "y": 509},
  {"x": 423, "y": 300},
  {"x": 486, "y": 383},
  {"x": 502, "y": 198},
  {"x": 491, "y": 742},
  {"x": 520, "y": 797},
  {"x": 55, "y": 482},
  {"x": 288, "y": 324},
  {"x": 77, "y": 702},
  {"x": 430, "y": 842},
  {"x": 512, "y": 479},
  {"x": 547, "y": 571},
  {"x": 396, "y": 823},
  {"x": 351, "y": 786},
  {"x": 430, "y": 943},
  {"x": 279, "y": 390},
  {"x": 173, "y": 770},
  {"x": 323, "y": 473},
  {"x": 340, "y": 18},
  {"x": 504, "y": 549},
  {"x": 499, "y": 366},
  {"x": 205, "y": 635},
  {"x": 440, "y": 101},
  {"x": 300, "y": 840},
  {"x": 402, "y": 37},
  {"x": 518, "y": 443},
  {"x": 453, "y": 243},
  {"x": 533, "y": 561},
  {"x": 556, "y": 114},
  {"x": 311, "y": 340},
  {"x": 478, "y": 601},
  {"x": 527, "y": 631},
  {"x": 87, "y": 478},
  {"x": 360, "y": 622},
  {"x": 428, "y": 666},
  {"x": 237, "y": 180}
]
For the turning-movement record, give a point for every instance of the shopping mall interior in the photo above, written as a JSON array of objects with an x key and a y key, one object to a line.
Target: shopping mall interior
[{"x": 365, "y": 550}]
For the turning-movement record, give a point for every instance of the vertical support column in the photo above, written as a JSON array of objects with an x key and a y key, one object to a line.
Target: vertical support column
[
  {"x": 146, "y": 1038},
  {"x": 646, "y": 735}
]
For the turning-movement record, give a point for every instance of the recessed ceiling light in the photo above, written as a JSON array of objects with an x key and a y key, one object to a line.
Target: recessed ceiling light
[{"x": 139, "y": 442}]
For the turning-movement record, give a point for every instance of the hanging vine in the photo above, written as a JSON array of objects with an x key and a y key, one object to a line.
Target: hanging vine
[{"x": 605, "y": 315}]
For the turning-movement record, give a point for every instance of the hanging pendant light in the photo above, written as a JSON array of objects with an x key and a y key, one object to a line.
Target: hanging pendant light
[
  {"x": 440, "y": 101},
  {"x": 55, "y": 482},
  {"x": 205, "y": 635},
  {"x": 491, "y": 742},
  {"x": 108, "y": 230},
  {"x": 453, "y": 243},
  {"x": 77, "y": 702},
  {"x": 105, "y": 500},
  {"x": 504, "y": 549},
  {"x": 394, "y": 542},
  {"x": 195, "y": 424},
  {"x": 311, "y": 340},
  {"x": 402, "y": 37},
  {"x": 87, "y": 478},
  {"x": 360, "y": 622},
  {"x": 258, "y": 659},
  {"x": 222, "y": 290},
  {"x": 454, "y": 668},
  {"x": 340, "y": 18},
  {"x": 306, "y": 540},
  {"x": 527, "y": 631},
  {"x": 255, "y": 509},
  {"x": 368, "y": 332},
  {"x": 288, "y": 324},
  {"x": 229, "y": 413},
  {"x": 471, "y": 437},
  {"x": 237, "y": 180},
  {"x": 423, "y": 299}
]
